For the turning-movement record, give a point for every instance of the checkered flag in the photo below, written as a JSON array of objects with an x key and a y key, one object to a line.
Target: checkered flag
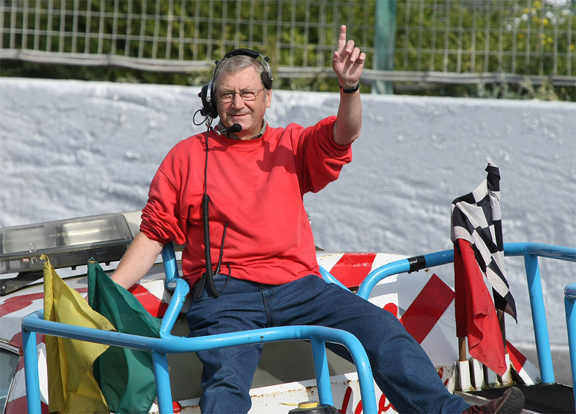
[{"x": 476, "y": 218}]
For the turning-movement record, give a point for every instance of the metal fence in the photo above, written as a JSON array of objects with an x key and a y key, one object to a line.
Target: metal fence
[
  {"x": 499, "y": 39},
  {"x": 446, "y": 41}
]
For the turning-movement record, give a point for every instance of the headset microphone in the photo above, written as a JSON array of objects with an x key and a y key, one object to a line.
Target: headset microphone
[{"x": 233, "y": 129}]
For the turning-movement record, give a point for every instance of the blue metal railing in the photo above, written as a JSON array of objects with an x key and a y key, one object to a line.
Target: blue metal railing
[
  {"x": 169, "y": 344},
  {"x": 570, "y": 305},
  {"x": 531, "y": 252},
  {"x": 160, "y": 348},
  {"x": 318, "y": 336}
]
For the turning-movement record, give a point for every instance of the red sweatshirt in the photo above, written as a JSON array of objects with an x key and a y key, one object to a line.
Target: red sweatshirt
[{"x": 256, "y": 186}]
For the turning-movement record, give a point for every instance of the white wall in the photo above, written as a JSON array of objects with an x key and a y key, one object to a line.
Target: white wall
[{"x": 70, "y": 148}]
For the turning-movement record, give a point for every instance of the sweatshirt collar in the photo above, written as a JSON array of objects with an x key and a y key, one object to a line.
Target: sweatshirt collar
[{"x": 231, "y": 135}]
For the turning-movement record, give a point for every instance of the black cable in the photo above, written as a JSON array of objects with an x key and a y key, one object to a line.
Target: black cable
[
  {"x": 221, "y": 249},
  {"x": 227, "y": 279},
  {"x": 206, "y": 222},
  {"x": 199, "y": 111}
]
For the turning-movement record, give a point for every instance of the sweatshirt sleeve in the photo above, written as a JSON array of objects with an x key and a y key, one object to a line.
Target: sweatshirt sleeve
[
  {"x": 322, "y": 157},
  {"x": 160, "y": 217}
]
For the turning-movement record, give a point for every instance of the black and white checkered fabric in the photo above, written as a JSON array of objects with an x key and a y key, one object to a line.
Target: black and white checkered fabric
[{"x": 476, "y": 218}]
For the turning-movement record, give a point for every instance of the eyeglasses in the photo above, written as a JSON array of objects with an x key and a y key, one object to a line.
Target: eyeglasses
[{"x": 246, "y": 95}]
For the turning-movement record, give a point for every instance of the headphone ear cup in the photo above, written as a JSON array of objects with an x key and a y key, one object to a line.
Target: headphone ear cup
[
  {"x": 209, "y": 107},
  {"x": 266, "y": 79}
]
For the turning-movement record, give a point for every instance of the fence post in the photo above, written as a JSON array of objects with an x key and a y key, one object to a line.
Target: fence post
[{"x": 384, "y": 40}]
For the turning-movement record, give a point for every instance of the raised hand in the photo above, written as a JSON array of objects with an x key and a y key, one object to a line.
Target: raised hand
[{"x": 348, "y": 61}]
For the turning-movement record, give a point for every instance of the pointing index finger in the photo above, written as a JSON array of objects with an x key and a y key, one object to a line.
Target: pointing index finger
[{"x": 342, "y": 39}]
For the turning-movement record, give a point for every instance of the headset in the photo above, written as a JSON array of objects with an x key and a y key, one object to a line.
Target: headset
[
  {"x": 209, "y": 110},
  {"x": 208, "y": 94}
]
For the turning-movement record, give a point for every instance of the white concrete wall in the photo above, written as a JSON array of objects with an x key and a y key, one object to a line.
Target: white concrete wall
[{"x": 70, "y": 148}]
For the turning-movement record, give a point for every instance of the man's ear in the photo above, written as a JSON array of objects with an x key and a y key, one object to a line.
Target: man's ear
[{"x": 268, "y": 97}]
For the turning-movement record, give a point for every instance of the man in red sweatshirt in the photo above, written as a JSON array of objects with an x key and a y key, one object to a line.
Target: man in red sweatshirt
[{"x": 244, "y": 183}]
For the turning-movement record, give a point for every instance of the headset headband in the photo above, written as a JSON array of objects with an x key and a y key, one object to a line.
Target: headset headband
[{"x": 208, "y": 95}]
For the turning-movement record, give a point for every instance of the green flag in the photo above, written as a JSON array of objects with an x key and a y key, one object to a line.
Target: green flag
[
  {"x": 126, "y": 376},
  {"x": 71, "y": 384}
]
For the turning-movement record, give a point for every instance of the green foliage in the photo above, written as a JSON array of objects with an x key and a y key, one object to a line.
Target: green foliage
[
  {"x": 531, "y": 37},
  {"x": 524, "y": 90},
  {"x": 486, "y": 36}
]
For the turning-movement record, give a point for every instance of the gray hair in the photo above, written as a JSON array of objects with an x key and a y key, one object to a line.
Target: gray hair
[{"x": 236, "y": 64}]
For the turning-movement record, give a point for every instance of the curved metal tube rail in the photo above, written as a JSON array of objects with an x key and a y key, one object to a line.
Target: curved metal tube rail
[
  {"x": 160, "y": 348},
  {"x": 318, "y": 336},
  {"x": 169, "y": 344},
  {"x": 531, "y": 252},
  {"x": 570, "y": 305}
]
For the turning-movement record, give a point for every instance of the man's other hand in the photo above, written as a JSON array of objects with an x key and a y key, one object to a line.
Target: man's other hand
[{"x": 348, "y": 61}]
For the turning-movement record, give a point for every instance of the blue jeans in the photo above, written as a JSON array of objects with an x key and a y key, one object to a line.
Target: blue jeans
[{"x": 400, "y": 366}]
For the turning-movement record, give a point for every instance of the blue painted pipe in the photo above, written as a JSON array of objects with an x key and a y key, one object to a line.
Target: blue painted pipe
[
  {"x": 35, "y": 323},
  {"x": 570, "y": 305},
  {"x": 31, "y": 376},
  {"x": 530, "y": 252}
]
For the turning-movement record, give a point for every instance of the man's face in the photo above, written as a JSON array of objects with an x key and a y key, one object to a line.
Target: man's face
[{"x": 249, "y": 114}]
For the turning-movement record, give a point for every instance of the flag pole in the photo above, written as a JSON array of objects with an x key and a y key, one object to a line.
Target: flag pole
[
  {"x": 500, "y": 314},
  {"x": 507, "y": 377},
  {"x": 462, "y": 348}
]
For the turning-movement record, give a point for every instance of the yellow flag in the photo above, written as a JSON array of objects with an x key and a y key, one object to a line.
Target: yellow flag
[{"x": 72, "y": 387}]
